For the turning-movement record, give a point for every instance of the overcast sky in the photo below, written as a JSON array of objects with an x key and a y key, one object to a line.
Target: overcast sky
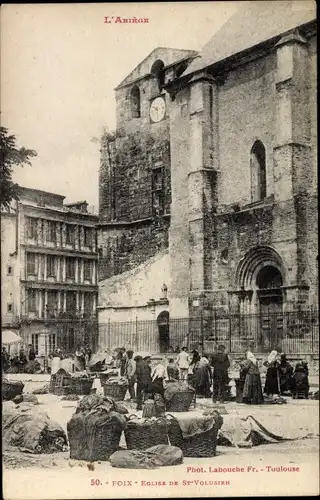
[{"x": 59, "y": 66}]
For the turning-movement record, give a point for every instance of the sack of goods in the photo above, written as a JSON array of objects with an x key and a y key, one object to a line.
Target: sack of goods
[
  {"x": 161, "y": 455},
  {"x": 116, "y": 387},
  {"x": 94, "y": 431},
  {"x": 11, "y": 389},
  {"x": 33, "y": 367},
  {"x": 178, "y": 396},
  {"x": 195, "y": 435},
  {"x": 31, "y": 430},
  {"x": 142, "y": 433}
]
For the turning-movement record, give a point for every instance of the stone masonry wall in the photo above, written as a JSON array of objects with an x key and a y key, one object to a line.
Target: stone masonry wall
[
  {"x": 123, "y": 248},
  {"x": 246, "y": 114}
]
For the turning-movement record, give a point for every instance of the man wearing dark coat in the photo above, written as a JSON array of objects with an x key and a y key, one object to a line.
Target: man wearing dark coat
[
  {"x": 31, "y": 353},
  {"x": 220, "y": 363},
  {"x": 144, "y": 380}
]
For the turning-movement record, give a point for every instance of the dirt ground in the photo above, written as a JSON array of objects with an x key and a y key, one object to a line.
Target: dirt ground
[{"x": 56, "y": 470}]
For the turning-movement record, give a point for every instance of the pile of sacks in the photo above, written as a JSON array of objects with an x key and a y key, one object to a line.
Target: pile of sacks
[
  {"x": 31, "y": 430},
  {"x": 11, "y": 389}
]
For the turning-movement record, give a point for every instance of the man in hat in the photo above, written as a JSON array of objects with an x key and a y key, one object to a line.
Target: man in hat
[
  {"x": 220, "y": 363},
  {"x": 31, "y": 353}
]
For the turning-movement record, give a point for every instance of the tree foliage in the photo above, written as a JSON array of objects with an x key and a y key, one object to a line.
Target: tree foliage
[{"x": 10, "y": 155}]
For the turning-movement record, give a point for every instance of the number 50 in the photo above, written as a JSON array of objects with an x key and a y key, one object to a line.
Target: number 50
[{"x": 95, "y": 482}]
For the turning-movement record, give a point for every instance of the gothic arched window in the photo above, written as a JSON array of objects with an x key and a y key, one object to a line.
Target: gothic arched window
[
  {"x": 157, "y": 71},
  {"x": 135, "y": 102},
  {"x": 258, "y": 172}
]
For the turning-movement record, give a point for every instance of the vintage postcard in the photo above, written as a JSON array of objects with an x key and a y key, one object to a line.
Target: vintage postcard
[{"x": 159, "y": 250}]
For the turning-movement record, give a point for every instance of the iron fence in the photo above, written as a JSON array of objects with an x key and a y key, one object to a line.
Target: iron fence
[
  {"x": 71, "y": 334},
  {"x": 290, "y": 332}
]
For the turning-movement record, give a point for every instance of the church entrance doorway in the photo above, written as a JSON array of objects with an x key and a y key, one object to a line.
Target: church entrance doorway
[
  {"x": 164, "y": 334},
  {"x": 269, "y": 282}
]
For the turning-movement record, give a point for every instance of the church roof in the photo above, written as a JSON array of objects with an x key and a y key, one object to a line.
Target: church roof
[
  {"x": 253, "y": 23},
  {"x": 169, "y": 56}
]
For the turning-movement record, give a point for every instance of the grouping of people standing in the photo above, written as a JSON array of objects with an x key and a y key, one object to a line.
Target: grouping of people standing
[
  {"x": 149, "y": 382},
  {"x": 208, "y": 375},
  {"x": 281, "y": 378},
  {"x": 18, "y": 362},
  {"x": 77, "y": 361},
  {"x": 197, "y": 370}
]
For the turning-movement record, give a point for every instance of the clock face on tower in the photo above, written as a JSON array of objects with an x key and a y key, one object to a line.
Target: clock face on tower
[{"x": 157, "y": 109}]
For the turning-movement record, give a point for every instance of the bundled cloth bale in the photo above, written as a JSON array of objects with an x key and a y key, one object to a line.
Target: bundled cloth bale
[
  {"x": 26, "y": 398},
  {"x": 239, "y": 430},
  {"x": 33, "y": 367},
  {"x": 95, "y": 400},
  {"x": 196, "y": 435},
  {"x": 216, "y": 413},
  {"x": 30, "y": 398},
  {"x": 31, "y": 430},
  {"x": 178, "y": 396},
  {"x": 11, "y": 389},
  {"x": 107, "y": 374},
  {"x": 142, "y": 433},
  {"x": 120, "y": 408},
  {"x": 18, "y": 399},
  {"x": 156, "y": 456},
  {"x": 42, "y": 390},
  {"x": 95, "y": 429}
]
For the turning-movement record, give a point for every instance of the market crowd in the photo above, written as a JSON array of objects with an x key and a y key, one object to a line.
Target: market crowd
[{"x": 208, "y": 375}]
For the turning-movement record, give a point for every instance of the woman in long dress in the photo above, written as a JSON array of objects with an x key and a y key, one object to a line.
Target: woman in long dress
[
  {"x": 272, "y": 385},
  {"x": 252, "y": 391},
  {"x": 285, "y": 375}
]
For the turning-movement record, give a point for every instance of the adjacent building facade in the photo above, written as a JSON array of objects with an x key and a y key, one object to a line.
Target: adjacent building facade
[
  {"x": 49, "y": 271},
  {"x": 226, "y": 224}
]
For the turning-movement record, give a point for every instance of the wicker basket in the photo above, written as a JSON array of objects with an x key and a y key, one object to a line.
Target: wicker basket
[
  {"x": 180, "y": 401},
  {"x": 144, "y": 435},
  {"x": 81, "y": 386},
  {"x": 106, "y": 441},
  {"x": 201, "y": 445},
  {"x": 239, "y": 389},
  {"x": 117, "y": 392},
  {"x": 61, "y": 390}
]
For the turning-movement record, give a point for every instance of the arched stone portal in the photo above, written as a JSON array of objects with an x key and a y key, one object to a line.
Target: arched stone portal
[
  {"x": 164, "y": 334},
  {"x": 269, "y": 293},
  {"x": 259, "y": 280}
]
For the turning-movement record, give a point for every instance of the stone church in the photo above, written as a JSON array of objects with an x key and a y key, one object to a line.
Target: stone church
[{"x": 208, "y": 189}]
